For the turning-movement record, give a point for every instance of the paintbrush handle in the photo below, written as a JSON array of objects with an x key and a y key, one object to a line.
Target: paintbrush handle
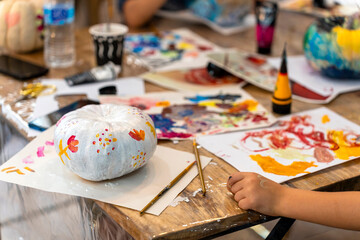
[
  {"x": 197, "y": 157},
  {"x": 172, "y": 183}
]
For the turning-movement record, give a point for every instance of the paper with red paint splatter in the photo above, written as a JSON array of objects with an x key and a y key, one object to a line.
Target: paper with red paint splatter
[
  {"x": 186, "y": 115},
  {"x": 134, "y": 190},
  {"x": 299, "y": 144},
  {"x": 170, "y": 50}
]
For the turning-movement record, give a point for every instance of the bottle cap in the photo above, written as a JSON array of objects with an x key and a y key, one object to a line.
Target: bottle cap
[{"x": 281, "y": 109}]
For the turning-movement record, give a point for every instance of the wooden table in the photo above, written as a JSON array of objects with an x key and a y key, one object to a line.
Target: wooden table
[{"x": 217, "y": 212}]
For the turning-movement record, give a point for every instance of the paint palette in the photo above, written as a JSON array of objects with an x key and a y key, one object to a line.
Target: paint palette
[
  {"x": 299, "y": 144},
  {"x": 186, "y": 115},
  {"x": 192, "y": 80},
  {"x": 170, "y": 50},
  {"x": 251, "y": 67}
]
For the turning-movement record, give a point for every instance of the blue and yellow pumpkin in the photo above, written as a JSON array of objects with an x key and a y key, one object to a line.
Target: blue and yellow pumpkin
[{"x": 332, "y": 46}]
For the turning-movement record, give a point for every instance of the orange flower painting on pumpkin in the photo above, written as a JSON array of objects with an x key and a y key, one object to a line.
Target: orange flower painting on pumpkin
[
  {"x": 137, "y": 135},
  {"x": 71, "y": 145}
]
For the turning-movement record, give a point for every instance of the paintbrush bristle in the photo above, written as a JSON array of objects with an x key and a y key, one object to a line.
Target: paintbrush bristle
[{"x": 283, "y": 67}]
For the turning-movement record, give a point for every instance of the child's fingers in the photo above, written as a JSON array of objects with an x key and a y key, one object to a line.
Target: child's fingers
[
  {"x": 239, "y": 196},
  {"x": 238, "y": 186},
  {"x": 244, "y": 204},
  {"x": 235, "y": 178}
]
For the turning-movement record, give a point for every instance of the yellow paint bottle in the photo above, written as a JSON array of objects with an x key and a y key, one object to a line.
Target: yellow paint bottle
[{"x": 281, "y": 99}]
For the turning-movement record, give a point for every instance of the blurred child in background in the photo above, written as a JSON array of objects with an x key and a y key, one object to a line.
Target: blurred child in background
[{"x": 222, "y": 12}]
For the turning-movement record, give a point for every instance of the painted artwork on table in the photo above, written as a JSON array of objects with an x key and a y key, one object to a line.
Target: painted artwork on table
[
  {"x": 186, "y": 115},
  {"x": 262, "y": 72},
  {"x": 192, "y": 80},
  {"x": 299, "y": 144},
  {"x": 39, "y": 166},
  {"x": 170, "y": 50}
]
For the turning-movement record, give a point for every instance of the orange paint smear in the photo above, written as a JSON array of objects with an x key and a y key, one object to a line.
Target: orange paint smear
[
  {"x": 270, "y": 165},
  {"x": 29, "y": 169},
  {"x": 247, "y": 104},
  {"x": 163, "y": 104},
  {"x": 251, "y": 104},
  {"x": 15, "y": 170},
  {"x": 325, "y": 119},
  {"x": 345, "y": 149},
  {"x": 5, "y": 169}
]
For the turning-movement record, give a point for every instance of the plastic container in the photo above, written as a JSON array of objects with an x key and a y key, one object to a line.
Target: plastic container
[{"x": 59, "y": 42}]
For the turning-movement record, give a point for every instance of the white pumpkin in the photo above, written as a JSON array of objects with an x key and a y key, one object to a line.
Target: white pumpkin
[
  {"x": 21, "y": 25},
  {"x": 99, "y": 142}
]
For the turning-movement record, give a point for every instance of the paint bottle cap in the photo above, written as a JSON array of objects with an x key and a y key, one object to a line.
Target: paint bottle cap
[
  {"x": 216, "y": 71},
  {"x": 281, "y": 109},
  {"x": 262, "y": 50}
]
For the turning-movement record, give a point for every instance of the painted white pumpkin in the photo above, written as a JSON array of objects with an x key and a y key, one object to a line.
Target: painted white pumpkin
[
  {"x": 99, "y": 142},
  {"x": 21, "y": 25}
]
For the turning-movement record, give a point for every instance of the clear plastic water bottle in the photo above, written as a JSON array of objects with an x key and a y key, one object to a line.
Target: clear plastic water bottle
[{"x": 59, "y": 42}]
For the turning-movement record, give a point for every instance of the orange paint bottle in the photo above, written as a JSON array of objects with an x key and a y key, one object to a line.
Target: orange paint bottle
[{"x": 281, "y": 99}]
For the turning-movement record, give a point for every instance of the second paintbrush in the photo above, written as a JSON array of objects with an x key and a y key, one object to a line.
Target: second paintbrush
[{"x": 198, "y": 163}]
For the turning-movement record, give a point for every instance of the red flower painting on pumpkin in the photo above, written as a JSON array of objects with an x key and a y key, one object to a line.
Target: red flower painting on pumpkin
[{"x": 72, "y": 143}]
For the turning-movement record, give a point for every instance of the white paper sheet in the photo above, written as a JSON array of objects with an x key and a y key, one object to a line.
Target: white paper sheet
[
  {"x": 301, "y": 72},
  {"x": 47, "y": 104},
  {"x": 239, "y": 149},
  {"x": 133, "y": 191}
]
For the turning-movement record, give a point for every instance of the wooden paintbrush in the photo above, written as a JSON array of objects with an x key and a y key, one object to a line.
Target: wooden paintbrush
[
  {"x": 196, "y": 152},
  {"x": 172, "y": 183}
]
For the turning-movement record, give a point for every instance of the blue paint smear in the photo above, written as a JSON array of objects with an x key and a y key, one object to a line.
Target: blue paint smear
[
  {"x": 164, "y": 124},
  {"x": 222, "y": 97},
  {"x": 139, "y": 42},
  {"x": 334, "y": 72},
  {"x": 186, "y": 113}
]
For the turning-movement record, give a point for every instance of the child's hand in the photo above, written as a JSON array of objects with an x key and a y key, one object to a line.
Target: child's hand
[{"x": 253, "y": 191}]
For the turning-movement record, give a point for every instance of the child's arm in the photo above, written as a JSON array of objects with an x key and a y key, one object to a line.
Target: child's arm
[
  {"x": 336, "y": 209},
  {"x": 138, "y": 12}
]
